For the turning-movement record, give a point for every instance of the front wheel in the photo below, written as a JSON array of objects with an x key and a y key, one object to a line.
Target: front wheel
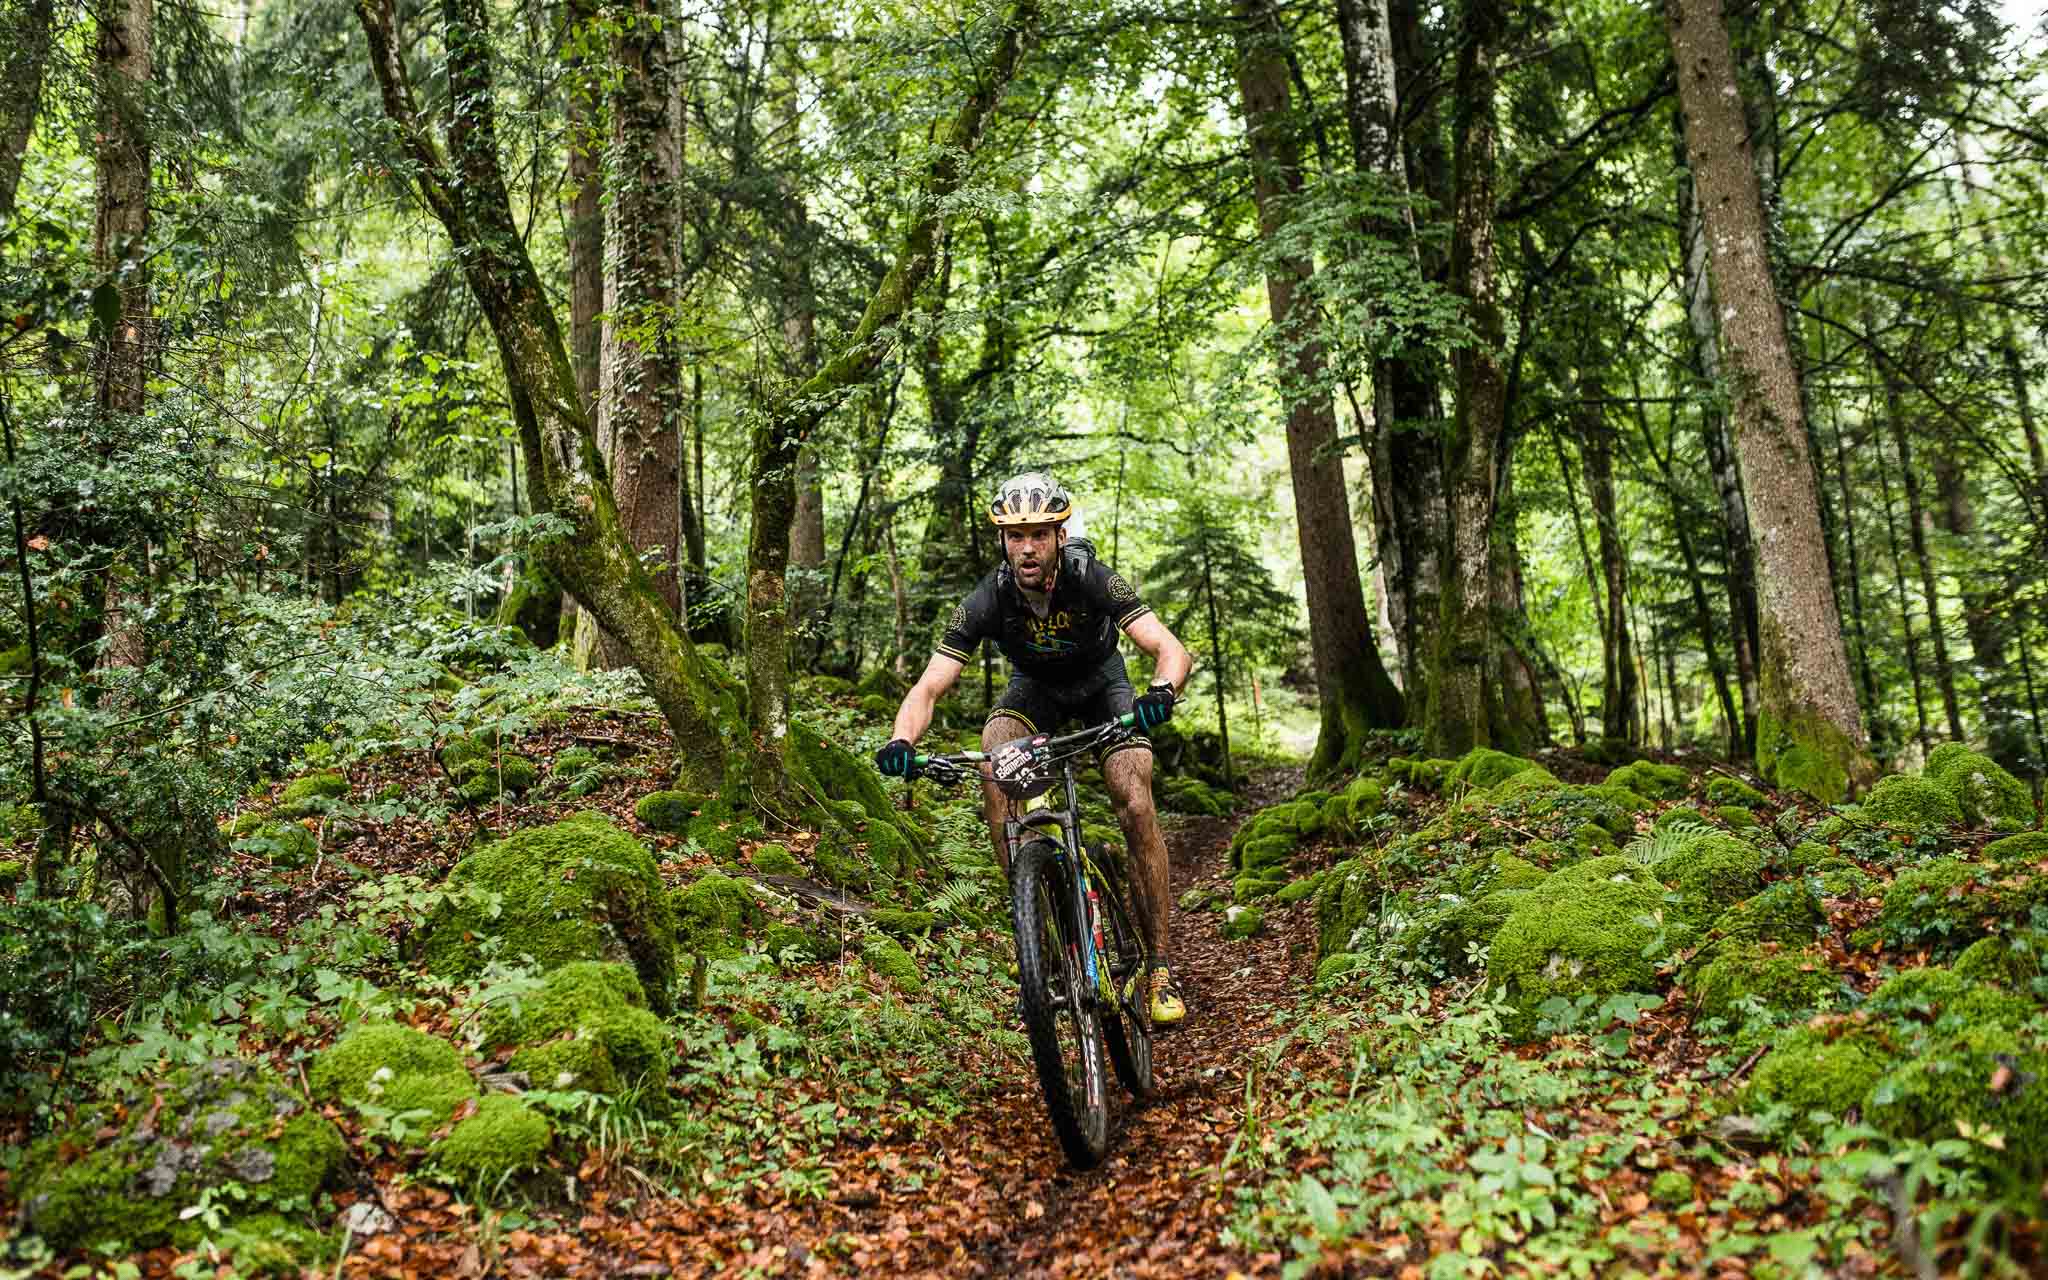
[
  {"x": 1127, "y": 1023},
  {"x": 1059, "y": 1008}
]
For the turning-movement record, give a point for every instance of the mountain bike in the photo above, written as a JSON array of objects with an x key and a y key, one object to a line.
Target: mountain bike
[{"x": 1082, "y": 960}]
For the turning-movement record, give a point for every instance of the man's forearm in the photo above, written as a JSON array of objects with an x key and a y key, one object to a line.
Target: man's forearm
[{"x": 915, "y": 715}]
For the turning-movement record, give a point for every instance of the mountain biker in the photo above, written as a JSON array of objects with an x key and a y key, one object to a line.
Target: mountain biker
[{"x": 1054, "y": 611}]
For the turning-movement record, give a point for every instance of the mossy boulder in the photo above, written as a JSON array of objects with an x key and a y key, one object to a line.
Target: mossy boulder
[
  {"x": 1949, "y": 903},
  {"x": 886, "y": 956},
  {"x": 1786, "y": 912},
  {"x": 714, "y": 914},
  {"x": 1651, "y": 780},
  {"x": 1347, "y": 902},
  {"x": 822, "y": 768},
  {"x": 1252, "y": 886},
  {"x": 1240, "y": 922},
  {"x": 1985, "y": 793},
  {"x": 1450, "y": 936},
  {"x": 578, "y": 1062},
  {"x": 575, "y": 890},
  {"x": 501, "y": 1138},
  {"x": 1192, "y": 795},
  {"x": 1712, "y": 872},
  {"x": 1946, "y": 1000},
  {"x": 394, "y": 1067},
  {"x": 1723, "y": 790},
  {"x": 491, "y": 777},
  {"x": 311, "y": 795},
  {"x": 2011, "y": 960},
  {"x": 670, "y": 812},
  {"x": 585, "y": 1000},
  {"x": 1422, "y": 775},
  {"x": 281, "y": 844},
  {"x": 1778, "y": 981},
  {"x": 1812, "y": 1070},
  {"x": 2028, "y": 847},
  {"x": 130, "y": 1164},
  {"x": 1299, "y": 890},
  {"x": 1672, "y": 1188},
  {"x": 904, "y": 924},
  {"x": 1483, "y": 767},
  {"x": 775, "y": 860},
  {"x": 1581, "y": 932},
  {"x": 798, "y": 945},
  {"x": 1739, "y": 818},
  {"x": 1914, "y": 803},
  {"x": 1954, "y": 1079}
]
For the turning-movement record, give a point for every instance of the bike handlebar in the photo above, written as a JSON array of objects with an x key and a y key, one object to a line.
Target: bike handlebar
[{"x": 1077, "y": 739}]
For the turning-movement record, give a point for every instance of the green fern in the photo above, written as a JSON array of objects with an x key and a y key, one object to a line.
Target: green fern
[
  {"x": 957, "y": 896},
  {"x": 1651, "y": 848}
]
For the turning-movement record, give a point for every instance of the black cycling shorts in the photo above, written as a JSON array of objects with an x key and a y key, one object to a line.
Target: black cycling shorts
[{"x": 1046, "y": 705}]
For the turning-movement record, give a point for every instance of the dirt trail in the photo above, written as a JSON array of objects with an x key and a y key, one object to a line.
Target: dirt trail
[{"x": 1008, "y": 1205}]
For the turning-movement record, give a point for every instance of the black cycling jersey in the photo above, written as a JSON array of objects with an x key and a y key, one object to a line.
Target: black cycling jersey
[{"x": 1090, "y": 603}]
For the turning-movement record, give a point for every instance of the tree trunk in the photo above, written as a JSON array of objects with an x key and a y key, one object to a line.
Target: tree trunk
[
  {"x": 639, "y": 368},
  {"x": 1982, "y": 620},
  {"x": 1857, "y": 624},
  {"x": 1891, "y": 533},
  {"x": 1918, "y": 520},
  {"x": 1618, "y": 691},
  {"x": 1460, "y": 689},
  {"x": 1738, "y": 549},
  {"x": 566, "y": 475},
  {"x": 1217, "y": 656},
  {"x": 21, "y": 89},
  {"x": 121, "y": 171},
  {"x": 1353, "y": 687},
  {"x": 585, "y": 233},
  {"x": 1810, "y": 734}
]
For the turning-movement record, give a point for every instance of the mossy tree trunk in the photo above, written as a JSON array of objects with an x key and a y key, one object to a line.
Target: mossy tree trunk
[
  {"x": 566, "y": 476},
  {"x": 1353, "y": 687},
  {"x": 782, "y": 428},
  {"x": 1462, "y": 696},
  {"x": 21, "y": 90},
  {"x": 586, "y": 225},
  {"x": 1810, "y": 734}
]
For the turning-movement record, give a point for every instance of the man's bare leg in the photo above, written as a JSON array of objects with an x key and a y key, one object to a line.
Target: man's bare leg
[
  {"x": 995, "y": 805},
  {"x": 1128, "y": 776}
]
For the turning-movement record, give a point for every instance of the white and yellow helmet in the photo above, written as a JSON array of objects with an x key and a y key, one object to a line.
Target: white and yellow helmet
[{"x": 1030, "y": 497}]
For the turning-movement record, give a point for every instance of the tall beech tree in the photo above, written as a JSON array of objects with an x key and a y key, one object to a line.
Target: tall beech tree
[
  {"x": 1354, "y": 690},
  {"x": 1810, "y": 734}
]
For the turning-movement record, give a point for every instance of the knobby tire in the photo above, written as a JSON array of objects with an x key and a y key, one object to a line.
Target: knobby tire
[
  {"x": 1129, "y": 1033},
  {"x": 1057, "y": 1004}
]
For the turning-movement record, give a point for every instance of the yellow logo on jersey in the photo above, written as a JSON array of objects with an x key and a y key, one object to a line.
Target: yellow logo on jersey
[{"x": 1048, "y": 633}]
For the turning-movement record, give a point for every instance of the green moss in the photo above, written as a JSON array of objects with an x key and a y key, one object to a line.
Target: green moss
[
  {"x": 1651, "y": 780},
  {"x": 281, "y": 844},
  {"x": 130, "y": 1163},
  {"x": 1948, "y": 1082},
  {"x": 779, "y": 939},
  {"x": 1986, "y": 794},
  {"x": 1712, "y": 872},
  {"x": 1724, "y": 790},
  {"x": 840, "y": 867},
  {"x": 1297, "y": 890},
  {"x": 2028, "y": 846},
  {"x": 1787, "y": 912},
  {"x": 714, "y": 915},
  {"x": 578, "y": 1061},
  {"x": 1626, "y": 802},
  {"x": 886, "y": 956},
  {"x": 1242, "y": 922},
  {"x": 1422, "y": 775},
  {"x": 820, "y": 767},
  {"x": 775, "y": 860},
  {"x": 1333, "y": 968},
  {"x": 246, "y": 823},
  {"x": 1803, "y": 751},
  {"x": 1845, "y": 882},
  {"x": 313, "y": 794},
  {"x": 1806, "y": 854},
  {"x": 1347, "y": 901},
  {"x": 1672, "y": 1188},
  {"x": 709, "y": 834},
  {"x": 2006, "y": 960},
  {"x": 1831, "y": 828},
  {"x": 904, "y": 924},
  {"x": 669, "y": 812},
  {"x": 575, "y": 890},
  {"x": 1483, "y": 767},
  {"x": 503, "y": 1137},
  {"x": 261, "y": 1244},
  {"x": 1448, "y": 937},
  {"x": 1580, "y": 932},
  {"x": 1250, "y": 887},
  {"x": 877, "y": 707},
  {"x": 395, "y": 1067},
  {"x": 1608, "y": 751},
  {"x": 491, "y": 777},
  {"x": 11, "y": 872},
  {"x": 1914, "y": 803},
  {"x": 1943, "y": 901},
  {"x": 1806, "y": 1071},
  {"x": 588, "y": 999},
  {"x": 1266, "y": 851},
  {"x": 1781, "y": 981},
  {"x": 1737, "y": 817},
  {"x": 1509, "y": 871},
  {"x": 1947, "y": 1000}
]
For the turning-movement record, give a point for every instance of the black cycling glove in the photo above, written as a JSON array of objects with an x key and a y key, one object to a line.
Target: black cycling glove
[
  {"x": 1154, "y": 707},
  {"x": 897, "y": 760}
]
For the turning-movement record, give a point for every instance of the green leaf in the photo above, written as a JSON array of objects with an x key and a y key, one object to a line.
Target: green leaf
[
  {"x": 106, "y": 308},
  {"x": 1321, "y": 1208}
]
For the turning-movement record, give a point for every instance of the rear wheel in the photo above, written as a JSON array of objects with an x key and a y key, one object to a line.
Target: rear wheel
[
  {"x": 1127, "y": 1025},
  {"x": 1059, "y": 1008}
]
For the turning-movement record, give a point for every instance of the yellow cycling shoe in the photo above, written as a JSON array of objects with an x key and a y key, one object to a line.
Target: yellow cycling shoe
[{"x": 1167, "y": 1007}]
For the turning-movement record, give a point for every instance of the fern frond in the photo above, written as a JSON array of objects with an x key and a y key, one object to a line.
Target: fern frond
[{"x": 1651, "y": 848}]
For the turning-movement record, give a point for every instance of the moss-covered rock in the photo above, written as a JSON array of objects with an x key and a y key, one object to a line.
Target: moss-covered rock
[
  {"x": 1672, "y": 1188},
  {"x": 1807, "y": 854},
  {"x": 886, "y": 956},
  {"x": 1298, "y": 890},
  {"x": 1983, "y": 791},
  {"x": 1712, "y": 872},
  {"x": 1651, "y": 780},
  {"x": 578, "y": 1061},
  {"x": 820, "y": 767},
  {"x": 796, "y": 944},
  {"x": 1451, "y": 936},
  {"x": 1738, "y": 817},
  {"x": 670, "y": 812},
  {"x": 588, "y": 1000},
  {"x": 2028, "y": 847},
  {"x": 775, "y": 860},
  {"x": 1192, "y": 795},
  {"x": 1811, "y": 1070},
  {"x": 1946, "y": 1000},
  {"x": 1581, "y": 932},
  {"x": 393, "y": 1067},
  {"x": 904, "y": 924},
  {"x": 1252, "y": 886},
  {"x": 1913, "y": 803},
  {"x": 1949, "y": 1081},
  {"x": 714, "y": 914},
  {"x": 1240, "y": 922},
  {"x": 281, "y": 844},
  {"x": 1945, "y": 902},
  {"x": 1724, "y": 790},
  {"x": 494, "y": 777},
  {"x": 1333, "y": 968},
  {"x": 502, "y": 1138},
  {"x": 311, "y": 795},
  {"x": 1787, "y": 912},
  {"x": 1346, "y": 903},
  {"x": 1422, "y": 775},
  {"x": 1483, "y": 767},
  {"x": 2011, "y": 960},
  {"x": 1846, "y": 881},
  {"x": 128, "y": 1166},
  {"x": 575, "y": 890},
  {"x": 1779, "y": 981}
]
